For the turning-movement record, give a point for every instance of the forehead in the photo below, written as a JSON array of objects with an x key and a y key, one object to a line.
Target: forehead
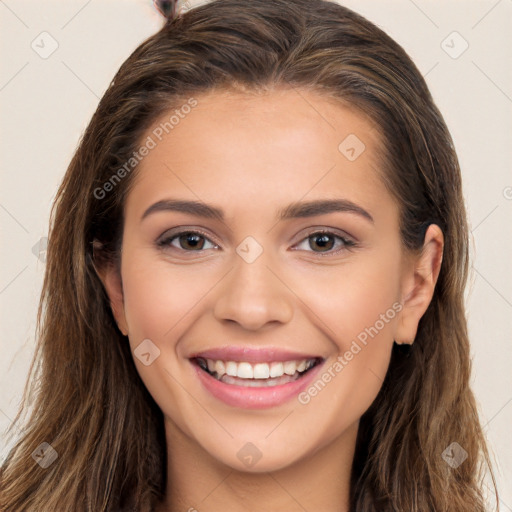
[{"x": 281, "y": 144}]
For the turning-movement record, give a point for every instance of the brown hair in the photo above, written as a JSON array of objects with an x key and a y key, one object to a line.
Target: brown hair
[{"x": 90, "y": 403}]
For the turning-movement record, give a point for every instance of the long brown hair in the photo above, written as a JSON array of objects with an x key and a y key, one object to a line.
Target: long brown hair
[{"x": 90, "y": 404}]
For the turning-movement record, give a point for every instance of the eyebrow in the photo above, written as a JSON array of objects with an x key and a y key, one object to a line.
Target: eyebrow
[{"x": 292, "y": 211}]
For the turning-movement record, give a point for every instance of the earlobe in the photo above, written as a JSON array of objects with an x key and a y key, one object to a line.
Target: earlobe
[
  {"x": 111, "y": 279},
  {"x": 419, "y": 284}
]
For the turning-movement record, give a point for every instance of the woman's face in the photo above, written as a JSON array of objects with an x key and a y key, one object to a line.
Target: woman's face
[{"x": 258, "y": 234}]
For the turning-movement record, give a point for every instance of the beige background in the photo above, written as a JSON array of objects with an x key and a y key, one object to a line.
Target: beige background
[{"x": 47, "y": 102}]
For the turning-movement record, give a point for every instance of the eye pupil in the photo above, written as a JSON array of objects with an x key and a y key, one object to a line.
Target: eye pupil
[
  {"x": 322, "y": 241},
  {"x": 192, "y": 239}
]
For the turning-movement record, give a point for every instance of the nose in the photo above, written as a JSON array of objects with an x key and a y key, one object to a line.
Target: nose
[{"x": 253, "y": 296}]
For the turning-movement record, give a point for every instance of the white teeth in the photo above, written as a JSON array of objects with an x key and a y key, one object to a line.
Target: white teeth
[
  {"x": 258, "y": 383},
  {"x": 245, "y": 370},
  {"x": 276, "y": 369},
  {"x": 220, "y": 368},
  {"x": 231, "y": 368},
  {"x": 261, "y": 371},
  {"x": 290, "y": 367}
]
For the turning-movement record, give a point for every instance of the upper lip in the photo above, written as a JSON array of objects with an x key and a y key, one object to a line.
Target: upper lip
[{"x": 252, "y": 355}]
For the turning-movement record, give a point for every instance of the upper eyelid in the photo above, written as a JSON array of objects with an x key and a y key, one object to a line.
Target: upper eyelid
[{"x": 165, "y": 236}]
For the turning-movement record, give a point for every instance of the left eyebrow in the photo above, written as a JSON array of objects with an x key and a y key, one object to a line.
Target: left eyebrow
[
  {"x": 292, "y": 211},
  {"x": 322, "y": 207}
]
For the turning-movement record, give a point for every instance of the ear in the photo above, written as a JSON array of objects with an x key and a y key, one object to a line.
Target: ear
[
  {"x": 419, "y": 283},
  {"x": 110, "y": 276}
]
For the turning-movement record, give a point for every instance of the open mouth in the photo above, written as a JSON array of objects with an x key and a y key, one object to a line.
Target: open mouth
[{"x": 241, "y": 373}]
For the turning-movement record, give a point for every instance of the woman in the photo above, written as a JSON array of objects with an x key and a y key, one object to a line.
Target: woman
[{"x": 254, "y": 287}]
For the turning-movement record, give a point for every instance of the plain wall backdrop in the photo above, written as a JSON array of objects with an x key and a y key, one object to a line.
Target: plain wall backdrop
[{"x": 58, "y": 58}]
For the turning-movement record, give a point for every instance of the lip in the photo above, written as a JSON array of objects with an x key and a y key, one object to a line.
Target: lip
[
  {"x": 252, "y": 355},
  {"x": 252, "y": 397}
]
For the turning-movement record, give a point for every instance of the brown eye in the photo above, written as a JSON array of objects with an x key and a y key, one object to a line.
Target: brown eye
[
  {"x": 187, "y": 241},
  {"x": 191, "y": 241},
  {"x": 325, "y": 242}
]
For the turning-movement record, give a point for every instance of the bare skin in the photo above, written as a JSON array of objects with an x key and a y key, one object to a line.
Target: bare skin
[{"x": 253, "y": 155}]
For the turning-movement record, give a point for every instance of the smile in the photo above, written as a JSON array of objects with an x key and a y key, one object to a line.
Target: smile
[
  {"x": 244, "y": 373},
  {"x": 251, "y": 378}
]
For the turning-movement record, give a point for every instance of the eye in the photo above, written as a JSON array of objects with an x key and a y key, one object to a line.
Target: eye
[
  {"x": 190, "y": 241},
  {"x": 196, "y": 241},
  {"x": 326, "y": 241}
]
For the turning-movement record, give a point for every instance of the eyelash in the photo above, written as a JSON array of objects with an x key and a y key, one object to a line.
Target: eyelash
[{"x": 347, "y": 243}]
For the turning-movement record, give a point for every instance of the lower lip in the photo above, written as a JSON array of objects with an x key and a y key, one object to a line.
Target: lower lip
[{"x": 251, "y": 397}]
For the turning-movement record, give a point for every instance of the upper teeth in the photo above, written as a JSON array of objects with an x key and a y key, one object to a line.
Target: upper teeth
[{"x": 246, "y": 370}]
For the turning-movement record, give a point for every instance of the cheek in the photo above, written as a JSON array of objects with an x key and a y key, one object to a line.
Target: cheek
[
  {"x": 159, "y": 295},
  {"x": 351, "y": 300},
  {"x": 358, "y": 306},
  {"x": 162, "y": 301}
]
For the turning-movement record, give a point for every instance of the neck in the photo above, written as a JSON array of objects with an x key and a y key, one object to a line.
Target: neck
[{"x": 196, "y": 481}]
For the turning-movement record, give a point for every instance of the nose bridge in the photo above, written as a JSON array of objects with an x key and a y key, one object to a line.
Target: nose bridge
[{"x": 252, "y": 295}]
